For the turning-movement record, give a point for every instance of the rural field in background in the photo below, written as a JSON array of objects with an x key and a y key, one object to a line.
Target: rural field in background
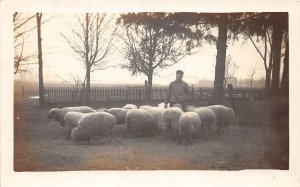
[{"x": 39, "y": 144}]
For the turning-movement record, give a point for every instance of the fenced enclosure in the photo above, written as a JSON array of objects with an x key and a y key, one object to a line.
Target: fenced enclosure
[{"x": 100, "y": 94}]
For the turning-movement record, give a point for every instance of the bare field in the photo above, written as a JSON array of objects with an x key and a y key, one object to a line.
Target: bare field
[{"x": 39, "y": 145}]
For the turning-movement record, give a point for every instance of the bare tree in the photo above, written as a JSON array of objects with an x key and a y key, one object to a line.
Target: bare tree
[
  {"x": 251, "y": 73},
  {"x": 23, "y": 26},
  {"x": 230, "y": 69},
  {"x": 92, "y": 41},
  {"x": 266, "y": 54},
  {"x": 75, "y": 81}
]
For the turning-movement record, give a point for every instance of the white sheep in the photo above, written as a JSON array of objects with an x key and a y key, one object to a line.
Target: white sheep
[
  {"x": 162, "y": 105},
  {"x": 140, "y": 123},
  {"x": 190, "y": 108},
  {"x": 178, "y": 106},
  {"x": 189, "y": 124},
  {"x": 58, "y": 114},
  {"x": 171, "y": 122},
  {"x": 94, "y": 124},
  {"x": 156, "y": 112},
  {"x": 119, "y": 113},
  {"x": 145, "y": 107},
  {"x": 208, "y": 120},
  {"x": 130, "y": 106},
  {"x": 225, "y": 116},
  {"x": 71, "y": 121}
]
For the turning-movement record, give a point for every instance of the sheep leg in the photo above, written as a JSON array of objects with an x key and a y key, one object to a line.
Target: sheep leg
[{"x": 109, "y": 136}]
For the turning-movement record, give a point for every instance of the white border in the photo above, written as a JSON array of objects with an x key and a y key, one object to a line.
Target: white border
[{"x": 279, "y": 178}]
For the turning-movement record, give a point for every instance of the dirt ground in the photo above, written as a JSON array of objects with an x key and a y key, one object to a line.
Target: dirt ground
[{"x": 39, "y": 145}]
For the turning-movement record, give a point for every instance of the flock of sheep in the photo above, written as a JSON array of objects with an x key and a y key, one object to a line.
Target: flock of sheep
[{"x": 83, "y": 123}]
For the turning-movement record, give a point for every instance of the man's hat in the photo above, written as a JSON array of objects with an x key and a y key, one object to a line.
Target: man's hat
[{"x": 179, "y": 72}]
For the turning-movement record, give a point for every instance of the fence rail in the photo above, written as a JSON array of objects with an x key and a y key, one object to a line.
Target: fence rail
[{"x": 131, "y": 94}]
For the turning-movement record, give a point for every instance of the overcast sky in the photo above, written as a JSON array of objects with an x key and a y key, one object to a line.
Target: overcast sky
[{"x": 60, "y": 61}]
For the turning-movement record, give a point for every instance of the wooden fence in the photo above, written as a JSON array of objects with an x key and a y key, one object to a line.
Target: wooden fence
[{"x": 135, "y": 94}]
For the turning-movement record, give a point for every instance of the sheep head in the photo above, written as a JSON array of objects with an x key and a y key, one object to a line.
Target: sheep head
[{"x": 53, "y": 114}]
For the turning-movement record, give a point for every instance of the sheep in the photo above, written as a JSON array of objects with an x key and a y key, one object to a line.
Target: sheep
[
  {"x": 208, "y": 120},
  {"x": 71, "y": 121},
  {"x": 225, "y": 116},
  {"x": 130, "y": 106},
  {"x": 93, "y": 124},
  {"x": 171, "y": 122},
  {"x": 190, "y": 108},
  {"x": 58, "y": 114},
  {"x": 156, "y": 112},
  {"x": 119, "y": 113},
  {"x": 162, "y": 105},
  {"x": 189, "y": 124},
  {"x": 145, "y": 107},
  {"x": 101, "y": 109},
  {"x": 140, "y": 123},
  {"x": 178, "y": 106}
]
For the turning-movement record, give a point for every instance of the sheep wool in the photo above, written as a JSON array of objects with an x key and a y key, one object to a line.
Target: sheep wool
[
  {"x": 94, "y": 124},
  {"x": 178, "y": 106},
  {"x": 119, "y": 113},
  {"x": 130, "y": 106},
  {"x": 171, "y": 122},
  {"x": 225, "y": 115},
  {"x": 71, "y": 121},
  {"x": 157, "y": 114},
  {"x": 208, "y": 120},
  {"x": 189, "y": 124},
  {"x": 58, "y": 114},
  {"x": 140, "y": 123}
]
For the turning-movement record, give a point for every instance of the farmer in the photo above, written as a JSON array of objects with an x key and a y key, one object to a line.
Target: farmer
[{"x": 178, "y": 91}]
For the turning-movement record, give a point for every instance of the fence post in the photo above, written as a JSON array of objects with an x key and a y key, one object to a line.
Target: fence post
[{"x": 230, "y": 93}]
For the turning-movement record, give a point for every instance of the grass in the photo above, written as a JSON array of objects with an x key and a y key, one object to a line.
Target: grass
[{"x": 39, "y": 145}]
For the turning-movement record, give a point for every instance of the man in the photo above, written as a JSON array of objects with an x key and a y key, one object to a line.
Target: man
[{"x": 178, "y": 91}]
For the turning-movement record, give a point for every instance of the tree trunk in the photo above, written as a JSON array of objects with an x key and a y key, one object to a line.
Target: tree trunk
[
  {"x": 149, "y": 91},
  {"x": 277, "y": 40},
  {"x": 40, "y": 59},
  {"x": 284, "y": 88},
  {"x": 220, "y": 61},
  {"x": 87, "y": 61},
  {"x": 268, "y": 81},
  {"x": 88, "y": 85},
  {"x": 268, "y": 68}
]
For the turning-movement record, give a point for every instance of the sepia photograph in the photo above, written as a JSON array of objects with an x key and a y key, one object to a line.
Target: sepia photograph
[{"x": 154, "y": 90}]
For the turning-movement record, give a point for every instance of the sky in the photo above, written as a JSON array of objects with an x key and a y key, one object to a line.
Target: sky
[{"x": 61, "y": 64}]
